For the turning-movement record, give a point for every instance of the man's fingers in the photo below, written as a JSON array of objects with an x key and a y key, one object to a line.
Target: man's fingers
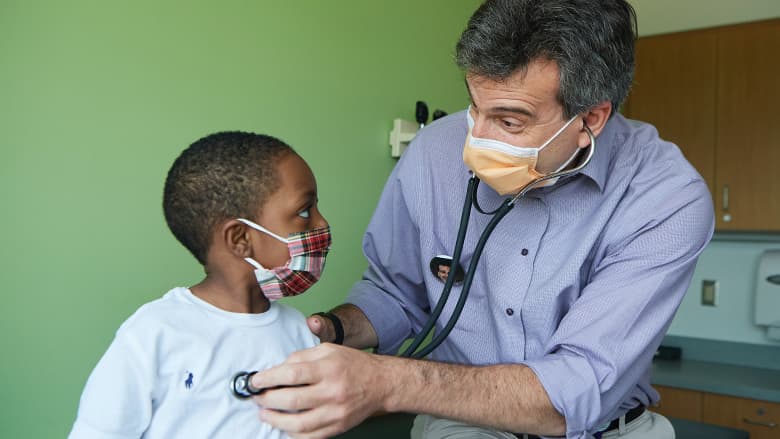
[
  {"x": 313, "y": 354},
  {"x": 286, "y": 374},
  {"x": 335, "y": 396},
  {"x": 293, "y": 399}
]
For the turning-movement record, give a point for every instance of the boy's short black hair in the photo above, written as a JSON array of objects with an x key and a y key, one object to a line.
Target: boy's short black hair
[{"x": 219, "y": 177}]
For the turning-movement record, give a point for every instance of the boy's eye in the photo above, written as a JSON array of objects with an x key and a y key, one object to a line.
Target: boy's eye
[{"x": 304, "y": 213}]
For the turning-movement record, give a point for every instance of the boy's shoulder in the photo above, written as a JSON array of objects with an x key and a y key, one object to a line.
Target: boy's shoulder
[
  {"x": 157, "y": 312},
  {"x": 289, "y": 312},
  {"x": 178, "y": 304},
  {"x": 179, "y": 313},
  {"x": 295, "y": 323}
]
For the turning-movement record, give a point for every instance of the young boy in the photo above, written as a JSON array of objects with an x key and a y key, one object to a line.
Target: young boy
[{"x": 245, "y": 205}]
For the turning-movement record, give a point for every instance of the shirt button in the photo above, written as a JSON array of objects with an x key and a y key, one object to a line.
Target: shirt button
[
  {"x": 524, "y": 252},
  {"x": 509, "y": 311}
]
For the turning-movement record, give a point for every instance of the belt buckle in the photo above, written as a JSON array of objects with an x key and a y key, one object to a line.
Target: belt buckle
[{"x": 633, "y": 413}]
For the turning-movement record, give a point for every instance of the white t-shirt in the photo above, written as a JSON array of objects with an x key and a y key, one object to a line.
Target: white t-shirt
[{"x": 167, "y": 373}]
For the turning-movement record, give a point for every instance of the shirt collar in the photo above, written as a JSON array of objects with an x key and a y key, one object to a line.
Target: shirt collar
[
  {"x": 598, "y": 167},
  {"x": 599, "y": 164}
]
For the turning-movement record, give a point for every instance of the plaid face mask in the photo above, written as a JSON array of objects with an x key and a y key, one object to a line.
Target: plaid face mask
[{"x": 307, "y": 260}]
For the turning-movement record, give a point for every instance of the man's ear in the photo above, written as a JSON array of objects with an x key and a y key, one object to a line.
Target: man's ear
[
  {"x": 596, "y": 117},
  {"x": 235, "y": 235}
]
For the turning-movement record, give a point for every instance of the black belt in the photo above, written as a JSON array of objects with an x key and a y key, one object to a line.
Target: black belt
[{"x": 630, "y": 416}]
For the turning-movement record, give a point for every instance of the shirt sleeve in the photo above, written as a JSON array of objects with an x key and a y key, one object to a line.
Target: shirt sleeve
[
  {"x": 392, "y": 291},
  {"x": 607, "y": 338},
  {"x": 117, "y": 399}
]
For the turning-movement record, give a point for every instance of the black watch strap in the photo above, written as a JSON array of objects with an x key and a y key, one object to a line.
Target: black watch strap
[{"x": 337, "y": 326}]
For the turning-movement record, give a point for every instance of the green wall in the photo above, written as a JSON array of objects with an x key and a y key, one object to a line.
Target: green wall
[{"x": 96, "y": 100}]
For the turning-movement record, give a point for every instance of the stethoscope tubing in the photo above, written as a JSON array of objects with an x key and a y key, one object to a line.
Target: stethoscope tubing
[
  {"x": 459, "y": 240},
  {"x": 498, "y": 215}
]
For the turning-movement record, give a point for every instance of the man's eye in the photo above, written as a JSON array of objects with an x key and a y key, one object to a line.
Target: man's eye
[
  {"x": 304, "y": 213},
  {"x": 509, "y": 123}
]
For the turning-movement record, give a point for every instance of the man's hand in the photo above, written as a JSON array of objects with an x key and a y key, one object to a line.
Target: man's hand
[{"x": 340, "y": 388}]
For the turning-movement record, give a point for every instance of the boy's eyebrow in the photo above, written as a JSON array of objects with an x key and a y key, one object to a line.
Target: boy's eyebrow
[{"x": 308, "y": 197}]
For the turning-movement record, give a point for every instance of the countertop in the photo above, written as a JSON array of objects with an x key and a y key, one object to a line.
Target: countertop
[{"x": 727, "y": 379}]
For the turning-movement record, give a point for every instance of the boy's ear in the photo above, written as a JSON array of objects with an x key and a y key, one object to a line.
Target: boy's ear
[{"x": 235, "y": 235}]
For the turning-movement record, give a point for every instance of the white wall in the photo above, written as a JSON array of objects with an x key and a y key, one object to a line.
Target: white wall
[
  {"x": 665, "y": 16},
  {"x": 732, "y": 264}
]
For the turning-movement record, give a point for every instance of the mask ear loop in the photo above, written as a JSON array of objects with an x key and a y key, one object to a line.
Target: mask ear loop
[
  {"x": 557, "y": 133},
  {"x": 262, "y": 229},
  {"x": 254, "y": 263},
  {"x": 563, "y": 173}
]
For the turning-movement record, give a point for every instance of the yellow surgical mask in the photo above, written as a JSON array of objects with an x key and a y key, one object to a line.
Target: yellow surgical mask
[{"x": 504, "y": 167}]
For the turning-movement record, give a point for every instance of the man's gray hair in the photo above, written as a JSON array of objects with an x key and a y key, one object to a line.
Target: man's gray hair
[{"x": 592, "y": 42}]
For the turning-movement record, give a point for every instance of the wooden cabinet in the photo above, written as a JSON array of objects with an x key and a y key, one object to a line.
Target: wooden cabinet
[
  {"x": 759, "y": 418},
  {"x": 674, "y": 89},
  {"x": 748, "y": 130},
  {"x": 679, "y": 403},
  {"x": 713, "y": 92}
]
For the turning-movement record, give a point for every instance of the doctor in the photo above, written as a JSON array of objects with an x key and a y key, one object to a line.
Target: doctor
[{"x": 576, "y": 286}]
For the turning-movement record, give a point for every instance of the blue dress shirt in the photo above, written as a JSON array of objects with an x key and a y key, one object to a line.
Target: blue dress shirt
[{"x": 579, "y": 282}]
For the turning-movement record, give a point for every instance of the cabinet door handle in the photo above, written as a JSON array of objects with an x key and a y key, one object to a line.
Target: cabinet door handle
[
  {"x": 726, "y": 214},
  {"x": 762, "y": 424}
]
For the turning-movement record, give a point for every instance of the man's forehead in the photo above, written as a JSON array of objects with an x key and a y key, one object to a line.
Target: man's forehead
[
  {"x": 527, "y": 91},
  {"x": 541, "y": 71}
]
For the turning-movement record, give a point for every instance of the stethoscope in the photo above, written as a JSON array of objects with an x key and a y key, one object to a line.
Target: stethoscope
[
  {"x": 241, "y": 382},
  {"x": 498, "y": 214}
]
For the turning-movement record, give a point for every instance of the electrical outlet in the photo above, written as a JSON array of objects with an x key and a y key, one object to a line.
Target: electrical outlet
[{"x": 709, "y": 292}]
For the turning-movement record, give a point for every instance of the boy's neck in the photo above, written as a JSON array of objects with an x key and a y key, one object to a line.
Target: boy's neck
[{"x": 232, "y": 296}]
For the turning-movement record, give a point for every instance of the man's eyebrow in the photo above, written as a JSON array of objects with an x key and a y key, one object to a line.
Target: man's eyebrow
[{"x": 516, "y": 110}]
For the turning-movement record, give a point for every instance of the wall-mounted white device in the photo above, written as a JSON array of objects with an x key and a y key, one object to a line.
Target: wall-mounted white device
[
  {"x": 768, "y": 293},
  {"x": 402, "y": 133}
]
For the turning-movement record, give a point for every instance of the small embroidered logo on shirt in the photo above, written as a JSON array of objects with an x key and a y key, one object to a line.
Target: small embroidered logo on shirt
[{"x": 188, "y": 381}]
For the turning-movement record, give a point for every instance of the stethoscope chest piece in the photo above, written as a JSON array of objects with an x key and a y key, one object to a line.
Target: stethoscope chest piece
[{"x": 242, "y": 386}]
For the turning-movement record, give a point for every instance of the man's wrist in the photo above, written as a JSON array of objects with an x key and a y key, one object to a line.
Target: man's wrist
[
  {"x": 401, "y": 383},
  {"x": 338, "y": 327},
  {"x": 358, "y": 332}
]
